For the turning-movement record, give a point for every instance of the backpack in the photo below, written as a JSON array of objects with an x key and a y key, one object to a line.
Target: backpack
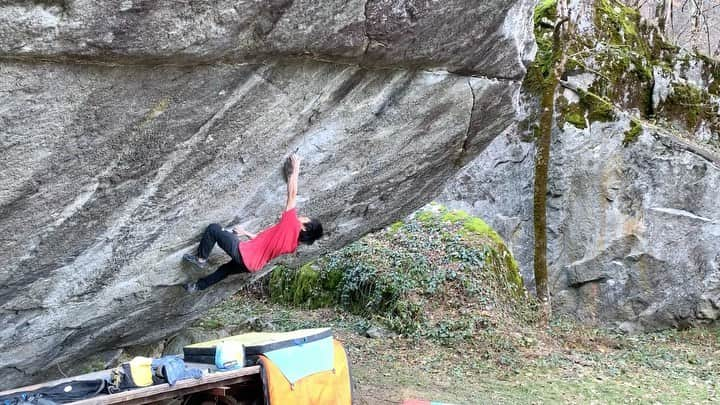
[{"x": 135, "y": 373}]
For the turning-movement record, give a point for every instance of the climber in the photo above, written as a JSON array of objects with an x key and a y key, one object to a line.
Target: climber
[{"x": 251, "y": 255}]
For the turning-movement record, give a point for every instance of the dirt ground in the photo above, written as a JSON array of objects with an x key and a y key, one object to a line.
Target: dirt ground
[{"x": 564, "y": 363}]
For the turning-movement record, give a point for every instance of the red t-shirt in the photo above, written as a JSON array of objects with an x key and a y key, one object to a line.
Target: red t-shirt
[{"x": 277, "y": 240}]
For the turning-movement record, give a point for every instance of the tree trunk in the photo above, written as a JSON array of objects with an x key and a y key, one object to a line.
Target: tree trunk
[
  {"x": 542, "y": 160},
  {"x": 542, "y": 163}
]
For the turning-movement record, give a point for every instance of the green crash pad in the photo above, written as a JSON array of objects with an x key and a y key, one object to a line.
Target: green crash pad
[{"x": 255, "y": 343}]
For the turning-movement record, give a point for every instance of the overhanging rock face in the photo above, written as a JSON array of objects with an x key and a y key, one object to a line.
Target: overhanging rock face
[
  {"x": 128, "y": 126},
  {"x": 488, "y": 38}
]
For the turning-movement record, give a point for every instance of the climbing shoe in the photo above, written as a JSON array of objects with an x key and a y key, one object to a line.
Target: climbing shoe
[
  {"x": 192, "y": 259},
  {"x": 190, "y": 287}
]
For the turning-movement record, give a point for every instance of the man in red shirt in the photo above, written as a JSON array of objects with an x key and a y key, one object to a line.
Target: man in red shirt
[{"x": 253, "y": 254}]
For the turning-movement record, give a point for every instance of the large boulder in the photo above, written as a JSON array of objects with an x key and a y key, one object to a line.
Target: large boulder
[
  {"x": 633, "y": 220},
  {"x": 488, "y": 38},
  {"x": 633, "y": 231},
  {"x": 128, "y": 126}
]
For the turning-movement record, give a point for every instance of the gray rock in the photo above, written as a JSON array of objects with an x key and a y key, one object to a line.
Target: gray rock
[
  {"x": 489, "y": 38},
  {"x": 677, "y": 21},
  {"x": 497, "y": 186},
  {"x": 633, "y": 237},
  {"x": 375, "y": 332},
  {"x": 633, "y": 232},
  {"x": 129, "y": 126},
  {"x": 175, "y": 344}
]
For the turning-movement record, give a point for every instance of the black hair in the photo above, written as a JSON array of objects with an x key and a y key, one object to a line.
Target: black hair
[{"x": 313, "y": 231}]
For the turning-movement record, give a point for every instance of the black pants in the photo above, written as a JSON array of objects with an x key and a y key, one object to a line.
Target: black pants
[{"x": 228, "y": 242}]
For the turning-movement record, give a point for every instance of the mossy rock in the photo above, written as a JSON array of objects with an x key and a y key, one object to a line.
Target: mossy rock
[
  {"x": 632, "y": 134},
  {"x": 308, "y": 286},
  {"x": 571, "y": 113},
  {"x": 455, "y": 216},
  {"x": 619, "y": 23},
  {"x": 623, "y": 53},
  {"x": 399, "y": 274},
  {"x": 540, "y": 69},
  {"x": 689, "y": 104},
  {"x": 576, "y": 118}
]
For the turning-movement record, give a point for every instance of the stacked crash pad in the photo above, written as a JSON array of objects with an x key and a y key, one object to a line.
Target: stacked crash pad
[
  {"x": 302, "y": 366},
  {"x": 255, "y": 343}
]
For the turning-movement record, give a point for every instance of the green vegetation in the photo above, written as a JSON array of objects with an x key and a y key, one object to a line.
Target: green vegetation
[
  {"x": 622, "y": 59},
  {"x": 575, "y": 115},
  {"x": 632, "y": 134},
  {"x": 712, "y": 71},
  {"x": 308, "y": 286},
  {"x": 436, "y": 262},
  {"x": 619, "y": 23},
  {"x": 466, "y": 336},
  {"x": 541, "y": 68},
  {"x": 623, "y": 53},
  {"x": 690, "y": 104},
  {"x": 509, "y": 362}
]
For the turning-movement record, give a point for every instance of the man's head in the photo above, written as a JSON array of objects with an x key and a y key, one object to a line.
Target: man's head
[{"x": 311, "y": 230}]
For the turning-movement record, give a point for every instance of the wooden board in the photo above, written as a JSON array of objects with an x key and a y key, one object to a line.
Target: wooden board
[
  {"x": 183, "y": 387},
  {"x": 156, "y": 392}
]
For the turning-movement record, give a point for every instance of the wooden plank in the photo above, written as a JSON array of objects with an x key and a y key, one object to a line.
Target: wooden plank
[
  {"x": 95, "y": 375},
  {"x": 182, "y": 387},
  {"x": 219, "y": 391}
]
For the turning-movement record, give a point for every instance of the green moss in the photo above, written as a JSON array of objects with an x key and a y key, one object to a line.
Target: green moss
[
  {"x": 534, "y": 80},
  {"x": 455, "y": 216},
  {"x": 503, "y": 264},
  {"x": 306, "y": 281},
  {"x": 424, "y": 217},
  {"x": 572, "y": 113},
  {"x": 627, "y": 79},
  {"x": 598, "y": 110},
  {"x": 618, "y": 23},
  {"x": 712, "y": 72},
  {"x": 394, "y": 278},
  {"x": 625, "y": 58},
  {"x": 480, "y": 227},
  {"x": 278, "y": 283},
  {"x": 685, "y": 63},
  {"x": 546, "y": 10},
  {"x": 306, "y": 287},
  {"x": 632, "y": 134},
  {"x": 395, "y": 227},
  {"x": 577, "y": 119},
  {"x": 689, "y": 104},
  {"x": 623, "y": 54},
  {"x": 561, "y": 105},
  {"x": 538, "y": 72}
]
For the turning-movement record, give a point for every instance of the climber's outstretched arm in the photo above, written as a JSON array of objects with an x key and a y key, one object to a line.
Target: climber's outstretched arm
[
  {"x": 239, "y": 230},
  {"x": 292, "y": 183}
]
